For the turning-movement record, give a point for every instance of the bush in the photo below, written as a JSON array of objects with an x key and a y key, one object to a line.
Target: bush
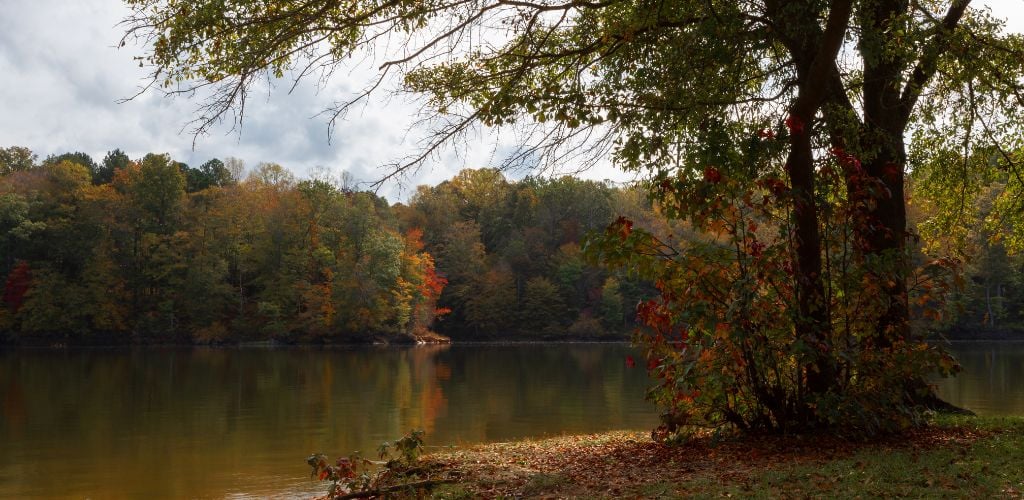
[
  {"x": 731, "y": 340},
  {"x": 398, "y": 471}
]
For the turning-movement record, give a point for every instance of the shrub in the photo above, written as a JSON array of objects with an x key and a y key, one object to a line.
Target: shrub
[
  {"x": 732, "y": 342},
  {"x": 398, "y": 470}
]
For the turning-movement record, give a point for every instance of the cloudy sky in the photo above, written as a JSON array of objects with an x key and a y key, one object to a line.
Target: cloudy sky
[{"x": 61, "y": 79}]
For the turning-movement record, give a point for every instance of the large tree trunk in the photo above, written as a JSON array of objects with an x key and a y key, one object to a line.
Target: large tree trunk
[
  {"x": 814, "y": 325},
  {"x": 884, "y": 233},
  {"x": 884, "y": 236},
  {"x": 814, "y": 52}
]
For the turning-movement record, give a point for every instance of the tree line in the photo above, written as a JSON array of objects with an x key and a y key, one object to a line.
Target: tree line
[{"x": 153, "y": 250}]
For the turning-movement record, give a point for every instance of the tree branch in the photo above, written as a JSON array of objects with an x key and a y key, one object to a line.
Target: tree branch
[
  {"x": 813, "y": 87},
  {"x": 929, "y": 61}
]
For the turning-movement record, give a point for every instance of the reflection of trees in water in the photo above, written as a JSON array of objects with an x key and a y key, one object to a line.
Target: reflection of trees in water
[
  {"x": 13, "y": 403},
  {"x": 992, "y": 381},
  {"x": 203, "y": 415}
]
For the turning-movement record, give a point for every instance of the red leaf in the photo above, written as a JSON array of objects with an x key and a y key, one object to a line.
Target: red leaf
[
  {"x": 795, "y": 124},
  {"x": 622, "y": 226}
]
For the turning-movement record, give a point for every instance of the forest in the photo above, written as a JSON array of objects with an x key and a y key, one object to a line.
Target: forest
[{"x": 153, "y": 250}]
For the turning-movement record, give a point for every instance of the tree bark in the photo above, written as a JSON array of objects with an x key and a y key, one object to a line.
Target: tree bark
[
  {"x": 814, "y": 52},
  {"x": 883, "y": 235},
  {"x": 813, "y": 322}
]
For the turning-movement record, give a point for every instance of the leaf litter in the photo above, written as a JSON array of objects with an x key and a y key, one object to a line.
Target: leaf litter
[{"x": 631, "y": 464}]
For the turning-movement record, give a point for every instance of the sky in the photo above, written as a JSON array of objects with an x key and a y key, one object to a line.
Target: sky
[{"x": 62, "y": 81}]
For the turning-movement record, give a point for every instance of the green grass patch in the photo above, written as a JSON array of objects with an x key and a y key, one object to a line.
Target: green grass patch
[{"x": 990, "y": 467}]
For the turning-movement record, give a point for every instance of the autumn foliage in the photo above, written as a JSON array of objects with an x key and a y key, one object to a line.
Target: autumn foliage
[
  {"x": 160, "y": 254},
  {"x": 18, "y": 282},
  {"x": 149, "y": 253},
  {"x": 726, "y": 338}
]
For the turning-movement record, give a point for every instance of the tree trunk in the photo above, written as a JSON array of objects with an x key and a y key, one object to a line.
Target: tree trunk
[
  {"x": 814, "y": 51},
  {"x": 813, "y": 326},
  {"x": 884, "y": 236},
  {"x": 990, "y": 319}
]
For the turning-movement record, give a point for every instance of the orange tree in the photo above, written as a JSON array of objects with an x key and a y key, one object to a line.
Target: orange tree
[{"x": 804, "y": 106}]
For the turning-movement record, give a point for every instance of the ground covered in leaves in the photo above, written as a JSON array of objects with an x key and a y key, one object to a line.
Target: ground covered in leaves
[{"x": 956, "y": 457}]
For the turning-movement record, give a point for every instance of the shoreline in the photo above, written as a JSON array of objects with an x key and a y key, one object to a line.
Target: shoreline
[
  {"x": 275, "y": 344},
  {"x": 107, "y": 340},
  {"x": 1013, "y": 335},
  {"x": 958, "y": 456},
  {"x": 39, "y": 344}
]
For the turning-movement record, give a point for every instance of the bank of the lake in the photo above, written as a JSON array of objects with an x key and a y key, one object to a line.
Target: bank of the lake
[
  {"x": 960, "y": 334},
  {"x": 117, "y": 340},
  {"x": 10, "y": 339},
  {"x": 980, "y": 457}
]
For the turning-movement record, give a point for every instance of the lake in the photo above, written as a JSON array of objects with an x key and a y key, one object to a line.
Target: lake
[
  {"x": 213, "y": 422},
  {"x": 185, "y": 423}
]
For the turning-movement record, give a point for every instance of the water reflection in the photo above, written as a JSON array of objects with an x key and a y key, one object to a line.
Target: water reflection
[
  {"x": 215, "y": 422},
  {"x": 186, "y": 423},
  {"x": 992, "y": 382}
]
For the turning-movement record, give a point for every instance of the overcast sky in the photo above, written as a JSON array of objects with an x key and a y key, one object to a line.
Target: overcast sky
[{"x": 61, "y": 78}]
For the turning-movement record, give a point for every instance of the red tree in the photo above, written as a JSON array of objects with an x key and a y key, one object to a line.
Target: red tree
[{"x": 18, "y": 283}]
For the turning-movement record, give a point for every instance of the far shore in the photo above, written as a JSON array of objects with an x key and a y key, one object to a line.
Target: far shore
[
  {"x": 274, "y": 344},
  {"x": 102, "y": 340},
  {"x": 963, "y": 334}
]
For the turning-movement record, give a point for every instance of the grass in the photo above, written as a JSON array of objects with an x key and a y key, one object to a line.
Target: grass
[
  {"x": 991, "y": 466},
  {"x": 956, "y": 457}
]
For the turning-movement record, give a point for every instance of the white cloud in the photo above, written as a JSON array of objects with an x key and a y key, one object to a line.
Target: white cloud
[
  {"x": 63, "y": 79},
  {"x": 1010, "y": 10}
]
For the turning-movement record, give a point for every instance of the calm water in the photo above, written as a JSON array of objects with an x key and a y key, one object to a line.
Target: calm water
[
  {"x": 220, "y": 422},
  {"x": 992, "y": 382},
  {"x": 212, "y": 423}
]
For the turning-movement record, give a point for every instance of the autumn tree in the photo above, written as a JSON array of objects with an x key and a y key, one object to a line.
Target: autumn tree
[
  {"x": 16, "y": 159},
  {"x": 77, "y": 157},
  {"x": 51, "y": 229},
  {"x": 542, "y": 307},
  {"x": 158, "y": 189},
  {"x": 211, "y": 173},
  {"x": 15, "y": 225},
  {"x": 17, "y": 284},
  {"x": 753, "y": 96},
  {"x": 983, "y": 234},
  {"x": 462, "y": 256},
  {"x": 113, "y": 161},
  {"x": 487, "y": 311},
  {"x": 272, "y": 175}
]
